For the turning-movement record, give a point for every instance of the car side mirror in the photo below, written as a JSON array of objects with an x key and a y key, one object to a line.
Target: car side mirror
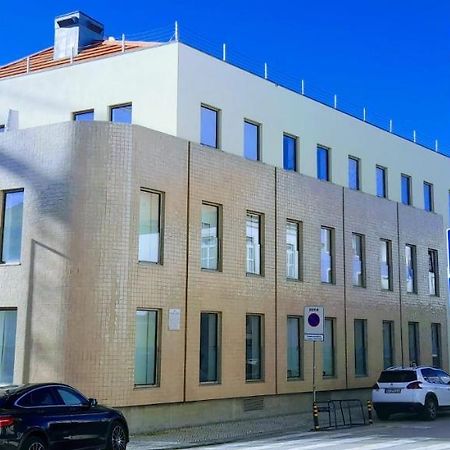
[{"x": 92, "y": 402}]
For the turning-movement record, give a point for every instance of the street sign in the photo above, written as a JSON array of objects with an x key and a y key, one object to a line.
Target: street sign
[
  {"x": 313, "y": 326},
  {"x": 314, "y": 337}
]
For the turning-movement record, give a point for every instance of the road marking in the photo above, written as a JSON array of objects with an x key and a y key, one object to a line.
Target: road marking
[
  {"x": 329, "y": 443},
  {"x": 389, "y": 444},
  {"x": 436, "y": 447}
]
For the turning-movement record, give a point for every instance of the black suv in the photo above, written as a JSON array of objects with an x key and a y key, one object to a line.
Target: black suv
[{"x": 57, "y": 417}]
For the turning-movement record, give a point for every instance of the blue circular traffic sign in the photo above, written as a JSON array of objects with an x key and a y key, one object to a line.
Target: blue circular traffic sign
[{"x": 313, "y": 319}]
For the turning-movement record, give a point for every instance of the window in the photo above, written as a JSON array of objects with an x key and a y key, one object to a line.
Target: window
[
  {"x": 385, "y": 264},
  {"x": 329, "y": 358},
  {"x": 381, "y": 182},
  {"x": 2, "y": 128},
  {"x": 360, "y": 336},
  {"x": 353, "y": 173},
  {"x": 253, "y": 346},
  {"x": 146, "y": 354},
  {"x": 294, "y": 347},
  {"x": 210, "y": 237},
  {"x": 406, "y": 189},
  {"x": 150, "y": 226},
  {"x": 84, "y": 116},
  {"x": 46, "y": 396},
  {"x": 209, "y": 126},
  {"x": 209, "y": 348},
  {"x": 410, "y": 267},
  {"x": 428, "y": 196},
  {"x": 8, "y": 321},
  {"x": 436, "y": 344},
  {"x": 388, "y": 343},
  {"x": 254, "y": 248},
  {"x": 251, "y": 140},
  {"x": 71, "y": 397},
  {"x": 358, "y": 260},
  {"x": 292, "y": 250},
  {"x": 433, "y": 273},
  {"x": 121, "y": 113},
  {"x": 326, "y": 255},
  {"x": 323, "y": 163},
  {"x": 289, "y": 152},
  {"x": 413, "y": 338},
  {"x": 12, "y": 226}
]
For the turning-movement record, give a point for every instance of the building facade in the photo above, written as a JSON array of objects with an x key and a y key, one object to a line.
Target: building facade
[{"x": 155, "y": 272}]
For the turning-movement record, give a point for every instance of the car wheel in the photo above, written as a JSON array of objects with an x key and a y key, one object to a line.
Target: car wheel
[
  {"x": 430, "y": 409},
  {"x": 34, "y": 443},
  {"x": 382, "y": 414},
  {"x": 117, "y": 439}
]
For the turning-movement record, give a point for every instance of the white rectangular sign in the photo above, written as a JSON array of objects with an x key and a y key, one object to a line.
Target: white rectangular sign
[
  {"x": 314, "y": 337},
  {"x": 174, "y": 319},
  {"x": 314, "y": 318}
]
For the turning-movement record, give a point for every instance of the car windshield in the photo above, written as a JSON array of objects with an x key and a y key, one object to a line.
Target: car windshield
[{"x": 397, "y": 376}]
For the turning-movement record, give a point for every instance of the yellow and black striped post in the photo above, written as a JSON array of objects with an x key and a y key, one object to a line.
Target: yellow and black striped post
[
  {"x": 369, "y": 411},
  {"x": 316, "y": 416}
]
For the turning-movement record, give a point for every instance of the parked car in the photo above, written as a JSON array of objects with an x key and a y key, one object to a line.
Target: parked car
[
  {"x": 422, "y": 390},
  {"x": 57, "y": 417}
]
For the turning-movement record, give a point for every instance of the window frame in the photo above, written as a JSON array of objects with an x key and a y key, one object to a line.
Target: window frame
[
  {"x": 16, "y": 311},
  {"x": 299, "y": 229},
  {"x": 118, "y": 106},
  {"x": 295, "y": 140},
  {"x": 261, "y": 378},
  {"x": 258, "y": 126},
  {"x": 332, "y": 255},
  {"x": 218, "y": 367},
  {"x": 408, "y": 178},
  {"x": 391, "y": 324},
  {"x": 331, "y": 320},
  {"x": 413, "y": 249},
  {"x": 435, "y": 262},
  {"x": 217, "y": 111},
  {"x": 81, "y": 112},
  {"x": 2, "y": 128},
  {"x": 385, "y": 181},
  {"x": 364, "y": 346},
  {"x": 362, "y": 258},
  {"x": 390, "y": 288},
  {"x": 430, "y": 187},
  {"x": 416, "y": 336},
  {"x": 357, "y": 162},
  {"x": 436, "y": 326},
  {"x": 219, "y": 236},
  {"x": 3, "y": 195},
  {"x": 327, "y": 151},
  {"x": 261, "y": 233}
]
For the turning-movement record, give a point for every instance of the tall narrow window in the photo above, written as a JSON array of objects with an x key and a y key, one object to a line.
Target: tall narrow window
[
  {"x": 428, "y": 196},
  {"x": 209, "y": 348},
  {"x": 2, "y": 128},
  {"x": 358, "y": 259},
  {"x": 433, "y": 273},
  {"x": 146, "y": 352},
  {"x": 326, "y": 255},
  {"x": 253, "y": 346},
  {"x": 353, "y": 173},
  {"x": 254, "y": 250},
  {"x": 289, "y": 152},
  {"x": 12, "y": 226},
  {"x": 150, "y": 227},
  {"x": 436, "y": 344},
  {"x": 406, "y": 189},
  {"x": 84, "y": 116},
  {"x": 360, "y": 337},
  {"x": 209, "y": 126},
  {"x": 121, "y": 113},
  {"x": 8, "y": 322},
  {"x": 381, "y": 182},
  {"x": 292, "y": 250},
  {"x": 414, "y": 343},
  {"x": 210, "y": 237},
  {"x": 386, "y": 264},
  {"x": 252, "y": 140},
  {"x": 323, "y": 163},
  {"x": 410, "y": 267},
  {"x": 293, "y": 347},
  {"x": 388, "y": 343},
  {"x": 329, "y": 357}
]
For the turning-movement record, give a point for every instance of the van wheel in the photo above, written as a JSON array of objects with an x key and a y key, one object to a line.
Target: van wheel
[{"x": 430, "y": 408}]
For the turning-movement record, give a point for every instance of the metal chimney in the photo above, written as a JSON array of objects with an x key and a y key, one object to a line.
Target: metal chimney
[{"x": 74, "y": 31}]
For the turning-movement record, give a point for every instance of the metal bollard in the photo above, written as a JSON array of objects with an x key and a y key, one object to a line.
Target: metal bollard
[
  {"x": 316, "y": 416},
  {"x": 369, "y": 411}
]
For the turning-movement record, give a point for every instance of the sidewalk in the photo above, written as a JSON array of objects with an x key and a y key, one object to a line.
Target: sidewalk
[{"x": 221, "y": 432}]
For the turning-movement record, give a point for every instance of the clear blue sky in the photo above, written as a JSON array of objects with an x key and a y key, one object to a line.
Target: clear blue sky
[{"x": 391, "y": 56}]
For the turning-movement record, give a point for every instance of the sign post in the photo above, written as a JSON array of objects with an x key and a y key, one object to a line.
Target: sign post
[{"x": 313, "y": 331}]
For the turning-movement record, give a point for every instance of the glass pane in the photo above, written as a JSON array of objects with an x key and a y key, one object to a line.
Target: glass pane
[
  {"x": 353, "y": 174},
  {"x": 210, "y": 237},
  {"x": 406, "y": 190},
  {"x": 357, "y": 260},
  {"x": 12, "y": 227},
  {"x": 8, "y": 321},
  {"x": 322, "y": 164},
  {"x": 427, "y": 197},
  {"x": 326, "y": 273},
  {"x": 436, "y": 344},
  {"x": 208, "y": 347},
  {"x": 293, "y": 347},
  {"x": 385, "y": 269},
  {"x": 413, "y": 339},
  {"x": 253, "y": 348},
  {"x": 432, "y": 272},
  {"x": 410, "y": 265},
  {"x": 208, "y": 127},
  {"x": 146, "y": 347},
  {"x": 2, "y": 128},
  {"x": 328, "y": 348},
  {"x": 121, "y": 114},
  {"x": 85, "y": 116},
  {"x": 292, "y": 253},
  {"x": 388, "y": 344},
  {"x": 149, "y": 227},
  {"x": 251, "y": 141},
  {"x": 253, "y": 244},
  {"x": 381, "y": 182},
  {"x": 360, "y": 348},
  {"x": 289, "y": 152}
]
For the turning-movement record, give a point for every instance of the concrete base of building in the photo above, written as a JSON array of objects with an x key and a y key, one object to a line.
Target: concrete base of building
[{"x": 151, "y": 418}]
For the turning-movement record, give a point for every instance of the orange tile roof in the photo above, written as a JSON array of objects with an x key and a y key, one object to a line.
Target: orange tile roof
[{"x": 44, "y": 59}]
